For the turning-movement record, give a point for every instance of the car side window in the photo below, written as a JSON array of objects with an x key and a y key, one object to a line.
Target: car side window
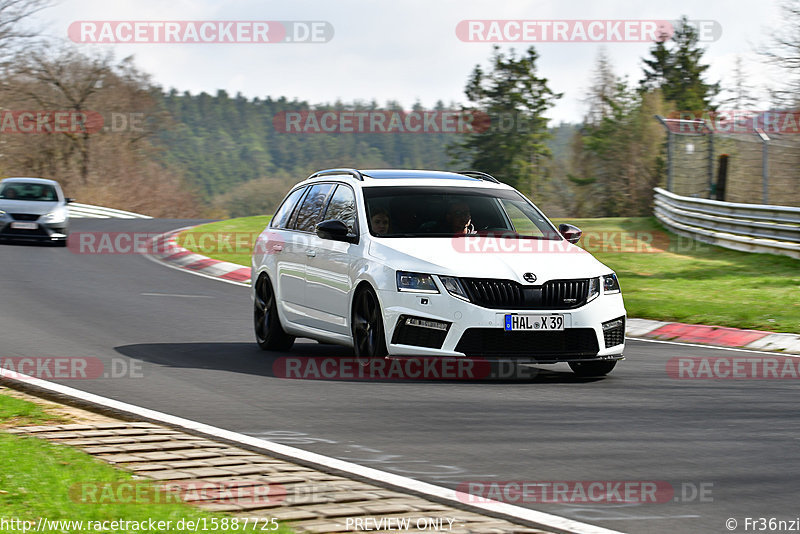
[
  {"x": 308, "y": 215},
  {"x": 285, "y": 211},
  {"x": 342, "y": 207}
]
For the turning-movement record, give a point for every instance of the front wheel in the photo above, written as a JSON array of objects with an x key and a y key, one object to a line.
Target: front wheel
[
  {"x": 588, "y": 369},
  {"x": 367, "y": 326},
  {"x": 270, "y": 335}
]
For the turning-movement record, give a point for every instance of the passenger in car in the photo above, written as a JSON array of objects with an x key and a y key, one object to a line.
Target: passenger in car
[{"x": 380, "y": 221}]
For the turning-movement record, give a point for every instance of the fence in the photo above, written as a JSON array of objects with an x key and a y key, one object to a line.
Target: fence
[
  {"x": 761, "y": 168},
  {"x": 746, "y": 227}
]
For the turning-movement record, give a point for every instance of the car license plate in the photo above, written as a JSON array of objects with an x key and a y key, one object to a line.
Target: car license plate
[
  {"x": 515, "y": 321},
  {"x": 24, "y": 225}
]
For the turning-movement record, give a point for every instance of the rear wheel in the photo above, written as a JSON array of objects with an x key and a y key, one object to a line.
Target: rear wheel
[
  {"x": 587, "y": 369},
  {"x": 269, "y": 332},
  {"x": 367, "y": 326}
]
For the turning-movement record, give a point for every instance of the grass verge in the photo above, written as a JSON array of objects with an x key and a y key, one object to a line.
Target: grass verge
[
  {"x": 42, "y": 480},
  {"x": 663, "y": 276}
]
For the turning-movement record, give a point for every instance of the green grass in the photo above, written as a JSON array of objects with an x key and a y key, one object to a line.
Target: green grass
[
  {"x": 663, "y": 276},
  {"x": 39, "y": 479},
  {"x": 230, "y": 240},
  {"x": 17, "y": 412}
]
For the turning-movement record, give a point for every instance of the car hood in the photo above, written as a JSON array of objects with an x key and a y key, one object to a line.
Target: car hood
[
  {"x": 28, "y": 206},
  {"x": 480, "y": 257}
]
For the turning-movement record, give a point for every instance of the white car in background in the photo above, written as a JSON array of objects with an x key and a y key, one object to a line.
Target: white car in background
[
  {"x": 33, "y": 209},
  {"x": 426, "y": 263}
]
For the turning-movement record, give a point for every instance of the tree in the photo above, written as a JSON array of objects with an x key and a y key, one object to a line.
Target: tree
[
  {"x": 676, "y": 69},
  {"x": 741, "y": 93},
  {"x": 515, "y": 99},
  {"x": 601, "y": 92},
  {"x": 784, "y": 52},
  {"x": 615, "y": 156},
  {"x": 13, "y": 32},
  {"x": 66, "y": 81}
]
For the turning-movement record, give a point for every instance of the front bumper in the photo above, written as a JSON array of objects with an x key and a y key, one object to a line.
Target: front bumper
[
  {"x": 474, "y": 331},
  {"x": 43, "y": 231}
]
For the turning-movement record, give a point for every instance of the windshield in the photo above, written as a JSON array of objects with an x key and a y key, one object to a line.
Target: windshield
[
  {"x": 29, "y": 192},
  {"x": 451, "y": 211}
]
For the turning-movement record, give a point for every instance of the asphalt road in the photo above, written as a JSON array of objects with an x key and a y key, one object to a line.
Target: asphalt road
[{"x": 190, "y": 345}]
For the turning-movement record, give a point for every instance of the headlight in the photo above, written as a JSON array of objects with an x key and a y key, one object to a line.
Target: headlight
[
  {"x": 415, "y": 282},
  {"x": 2, "y": 213},
  {"x": 454, "y": 287},
  {"x": 610, "y": 283},
  {"x": 594, "y": 288},
  {"x": 55, "y": 216}
]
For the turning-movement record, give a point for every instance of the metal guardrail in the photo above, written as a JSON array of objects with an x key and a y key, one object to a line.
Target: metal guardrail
[
  {"x": 747, "y": 227},
  {"x": 87, "y": 211}
]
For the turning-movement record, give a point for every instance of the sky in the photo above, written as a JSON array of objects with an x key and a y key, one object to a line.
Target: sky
[{"x": 407, "y": 50}]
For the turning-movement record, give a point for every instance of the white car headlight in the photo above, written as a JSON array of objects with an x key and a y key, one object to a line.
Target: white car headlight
[
  {"x": 454, "y": 286},
  {"x": 610, "y": 284},
  {"x": 57, "y": 216},
  {"x": 416, "y": 282}
]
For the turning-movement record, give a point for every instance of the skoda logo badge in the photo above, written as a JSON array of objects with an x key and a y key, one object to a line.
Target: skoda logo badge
[{"x": 529, "y": 277}]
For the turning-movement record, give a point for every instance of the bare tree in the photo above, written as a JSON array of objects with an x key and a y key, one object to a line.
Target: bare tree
[
  {"x": 742, "y": 94},
  {"x": 784, "y": 52},
  {"x": 65, "y": 82},
  {"x": 13, "y": 31}
]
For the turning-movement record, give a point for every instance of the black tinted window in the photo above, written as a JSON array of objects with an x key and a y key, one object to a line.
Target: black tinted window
[
  {"x": 342, "y": 207},
  {"x": 29, "y": 192},
  {"x": 285, "y": 211},
  {"x": 308, "y": 215}
]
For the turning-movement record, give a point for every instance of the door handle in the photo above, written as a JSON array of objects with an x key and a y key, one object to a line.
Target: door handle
[
  {"x": 311, "y": 253},
  {"x": 277, "y": 248}
]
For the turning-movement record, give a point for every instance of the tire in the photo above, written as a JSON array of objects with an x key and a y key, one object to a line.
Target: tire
[
  {"x": 270, "y": 335},
  {"x": 366, "y": 326},
  {"x": 588, "y": 369}
]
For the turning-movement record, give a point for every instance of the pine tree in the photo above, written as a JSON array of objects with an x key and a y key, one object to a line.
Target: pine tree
[
  {"x": 515, "y": 99},
  {"x": 676, "y": 68}
]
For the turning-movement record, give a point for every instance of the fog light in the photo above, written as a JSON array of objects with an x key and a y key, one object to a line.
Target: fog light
[
  {"x": 610, "y": 325},
  {"x": 427, "y": 323}
]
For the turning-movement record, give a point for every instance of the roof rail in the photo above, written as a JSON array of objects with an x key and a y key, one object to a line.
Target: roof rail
[
  {"x": 480, "y": 175},
  {"x": 330, "y": 172}
]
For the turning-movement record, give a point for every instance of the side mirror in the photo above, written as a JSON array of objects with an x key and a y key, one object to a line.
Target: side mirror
[
  {"x": 69, "y": 200},
  {"x": 335, "y": 230},
  {"x": 570, "y": 233}
]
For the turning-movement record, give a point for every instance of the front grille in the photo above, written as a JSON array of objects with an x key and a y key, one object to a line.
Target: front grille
[
  {"x": 16, "y": 232},
  {"x": 616, "y": 335},
  {"x": 418, "y": 336},
  {"x": 508, "y": 294},
  {"x": 24, "y": 216},
  {"x": 569, "y": 344}
]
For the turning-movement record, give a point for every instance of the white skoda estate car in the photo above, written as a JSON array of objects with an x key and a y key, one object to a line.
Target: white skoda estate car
[{"x": 403, "y": 263}]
